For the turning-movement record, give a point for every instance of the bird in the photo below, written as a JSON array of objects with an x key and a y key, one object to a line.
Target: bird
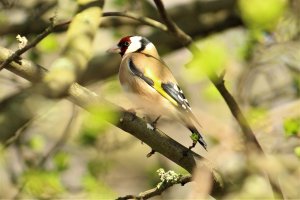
[{"x": 150, "y": 84}]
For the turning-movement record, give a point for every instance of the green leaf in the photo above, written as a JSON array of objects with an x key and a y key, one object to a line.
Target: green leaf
[
  {"x": 291, "y": 127},
  {"x": 262, "y": 14},
  {"x": 42, "y": 184},
  {"x": 61, "y": 161},
  {"x": 211, "y": 58},
  {"x": 37, "y": 143},
  {"x": 48, "y": 44},
  {"x": 194, "y": 137}
]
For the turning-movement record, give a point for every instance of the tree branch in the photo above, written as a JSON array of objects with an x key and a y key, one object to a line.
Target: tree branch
[
  {"x": 134, "y": 125},
  {"x": 77, "y": 50},
  {"x": 250, "y": 139},
  {"x": 172, "y": 27},
  {"x": 158, "y": 190},
  {"x": 221, "y": 13},
  {"x": 141, "y": 19},
  {"x": 219, "y": 83},
  {"x": 16, "y": 55}
]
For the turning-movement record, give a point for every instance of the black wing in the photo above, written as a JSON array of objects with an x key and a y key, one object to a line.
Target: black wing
[{"x": 176, "y": 93}]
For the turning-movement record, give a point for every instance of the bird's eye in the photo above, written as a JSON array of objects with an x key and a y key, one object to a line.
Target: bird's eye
[{"x": 126, "y": 44}]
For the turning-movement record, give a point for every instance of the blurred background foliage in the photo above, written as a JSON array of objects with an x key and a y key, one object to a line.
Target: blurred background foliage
[{"x": 69, "y": 153}]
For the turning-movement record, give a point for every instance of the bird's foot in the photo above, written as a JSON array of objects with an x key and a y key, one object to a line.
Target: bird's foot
[
  {"x": 151, "y": 153},
  {"x": 154, "y": 123}
]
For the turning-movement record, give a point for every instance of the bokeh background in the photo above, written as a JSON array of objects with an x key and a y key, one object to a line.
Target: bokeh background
[{"x": 64, "y": 152}]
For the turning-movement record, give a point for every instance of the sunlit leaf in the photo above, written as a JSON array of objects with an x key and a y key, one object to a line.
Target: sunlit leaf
[
  {"x": 61, "y": 161},
  {"x": 42, "y": 184},
  {"x": 48, "y": 44},
  {"x": 291, "y": 127},
  {"x": 211, "y": 58},
  {"x": 37, "y": 143},
  {"x": 260, "y": 14},
  {"x": 97, "y": 189}
]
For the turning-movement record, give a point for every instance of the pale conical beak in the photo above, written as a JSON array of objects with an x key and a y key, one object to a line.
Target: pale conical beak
[{"x": 114, "y": 49}]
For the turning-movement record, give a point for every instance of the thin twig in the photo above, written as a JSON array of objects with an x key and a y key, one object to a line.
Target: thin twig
[
  {"x": 216, "y": 80},
  {"x": 134, "y": 125},
  {"x": 172, "y": 27},
  {"x": 16, "y": 136},
  {"x": 158, "y": 190},
  {"x": 16, "y": 55},
  {"x": 165, "y": 17},
  {"x": 251, "y": 141},
  {"x": 142, "y": 19}
]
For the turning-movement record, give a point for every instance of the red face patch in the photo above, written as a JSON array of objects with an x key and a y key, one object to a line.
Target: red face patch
[
  {"x": 125, "y": 39},
  {"x": 124, "y": 44}
]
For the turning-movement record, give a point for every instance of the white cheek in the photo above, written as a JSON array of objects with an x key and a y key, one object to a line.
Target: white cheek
[{"x": 133, "y": 47}]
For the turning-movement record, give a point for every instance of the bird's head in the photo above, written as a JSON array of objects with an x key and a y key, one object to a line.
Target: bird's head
[{"x": 130, "y": 44}]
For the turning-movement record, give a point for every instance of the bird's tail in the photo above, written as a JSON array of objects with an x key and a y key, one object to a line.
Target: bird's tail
[{"x": 197, "y": 137}]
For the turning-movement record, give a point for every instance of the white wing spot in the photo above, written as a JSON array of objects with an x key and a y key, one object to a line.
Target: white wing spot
[
  {"x": 180, "y": 98},
  {"x": 176, "y": 87},
  {"x": 184, "y": 106}
]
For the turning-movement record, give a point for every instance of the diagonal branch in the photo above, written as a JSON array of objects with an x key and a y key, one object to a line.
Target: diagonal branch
[
  {"x": 217, "y": 81},
  {"x": 128, "y": 122},
  {"x": 172, "y": 27},
  {"x": 251, "y": 141},
  {"x": 16, "y": 55}
]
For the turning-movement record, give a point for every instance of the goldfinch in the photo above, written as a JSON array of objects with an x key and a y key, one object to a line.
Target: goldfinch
[{"x": 151, "y": 85}]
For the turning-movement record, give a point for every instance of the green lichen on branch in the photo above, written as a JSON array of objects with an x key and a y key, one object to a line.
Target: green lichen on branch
[{"x": 169, "y": 177}]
